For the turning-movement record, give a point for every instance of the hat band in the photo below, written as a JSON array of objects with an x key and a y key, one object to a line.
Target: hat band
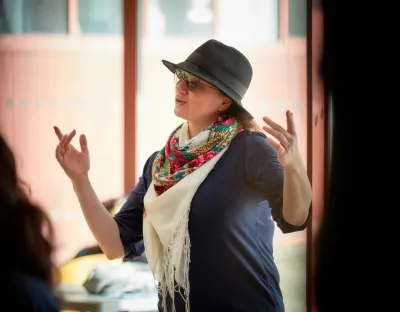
[{"x": 234, "y": 84}]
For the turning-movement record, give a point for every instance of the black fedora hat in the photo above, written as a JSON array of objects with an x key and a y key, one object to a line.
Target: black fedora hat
[{"x": 220, "y": 65}]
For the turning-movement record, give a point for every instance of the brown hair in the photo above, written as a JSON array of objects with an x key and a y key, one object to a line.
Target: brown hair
[
  {"x": 244, "y": 118},
  {"x": 25, "y": 229}
]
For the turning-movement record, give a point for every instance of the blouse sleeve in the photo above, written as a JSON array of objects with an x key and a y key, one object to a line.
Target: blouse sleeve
[
  {"x": 265, "y": 172},
  {"x": 130, "y": 218}
]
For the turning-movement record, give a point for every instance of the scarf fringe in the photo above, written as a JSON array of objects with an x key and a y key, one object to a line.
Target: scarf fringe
[{"x": 168, "y": 284}]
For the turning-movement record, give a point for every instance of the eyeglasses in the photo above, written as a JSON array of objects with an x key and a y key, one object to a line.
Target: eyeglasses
[{"x": 192, "y": 82}]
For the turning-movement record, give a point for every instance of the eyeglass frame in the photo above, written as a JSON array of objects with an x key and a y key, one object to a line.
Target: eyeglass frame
[{"x": 198, "y": 84}]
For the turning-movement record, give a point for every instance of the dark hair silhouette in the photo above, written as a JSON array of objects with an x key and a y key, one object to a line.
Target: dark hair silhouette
[{"x": 26, "y": 231}]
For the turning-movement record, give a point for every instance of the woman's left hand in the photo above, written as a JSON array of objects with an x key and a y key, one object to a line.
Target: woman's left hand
[{"x": 286, "y": 143}]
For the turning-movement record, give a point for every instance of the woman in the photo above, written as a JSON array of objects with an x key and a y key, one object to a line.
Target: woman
[
  {"x": 204, "y": 202},
  {"x": 25, "y": 232}
]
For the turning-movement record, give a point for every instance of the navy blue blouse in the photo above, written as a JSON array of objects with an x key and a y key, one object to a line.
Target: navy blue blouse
[{"x": 231, "y": 228}]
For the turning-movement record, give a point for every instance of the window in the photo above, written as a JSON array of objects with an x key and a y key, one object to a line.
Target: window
[
  {"x": 101, "y": 16},
  {"x": 248, "y": 22},
  {"x": 298, "y": 18},
  {"x": 180, "y": 18},
  {"x": 33, "y": 16}
]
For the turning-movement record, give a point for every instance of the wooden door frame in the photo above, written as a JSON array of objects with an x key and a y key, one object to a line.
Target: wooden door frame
[{"x": 130, "y": 93}]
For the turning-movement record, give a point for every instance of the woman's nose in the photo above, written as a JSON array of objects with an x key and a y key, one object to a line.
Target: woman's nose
[{"x": 181, "y": 87}]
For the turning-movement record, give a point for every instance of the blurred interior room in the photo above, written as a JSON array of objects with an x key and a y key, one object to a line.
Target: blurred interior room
[{"x": 95, "y": 66}]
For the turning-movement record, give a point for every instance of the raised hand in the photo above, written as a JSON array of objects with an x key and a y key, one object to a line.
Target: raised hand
[
  {"x": 285, "y": 142},
  {"x": 76, "y": 164}
]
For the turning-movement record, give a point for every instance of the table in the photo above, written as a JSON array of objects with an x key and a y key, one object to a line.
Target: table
[
  {"x": 97, "y": 303},
  {"x": 89, "y": 303}
]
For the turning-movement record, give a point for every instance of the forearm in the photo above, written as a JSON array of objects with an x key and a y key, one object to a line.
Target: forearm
[
  {"x": 296, "y": 195},
  {"x": 102, "y": 225}
]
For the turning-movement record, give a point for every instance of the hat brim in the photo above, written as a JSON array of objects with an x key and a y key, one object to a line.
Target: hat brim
[{"x": 197, "y": 71}]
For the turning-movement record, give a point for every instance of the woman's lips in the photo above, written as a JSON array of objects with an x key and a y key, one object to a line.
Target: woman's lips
[{"x": 178, "y": 101}]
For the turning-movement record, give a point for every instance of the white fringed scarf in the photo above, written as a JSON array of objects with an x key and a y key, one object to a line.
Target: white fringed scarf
[{"x": 165, "y": 226}]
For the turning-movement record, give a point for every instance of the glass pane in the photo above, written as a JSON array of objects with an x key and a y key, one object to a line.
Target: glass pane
[
  {"x": 261, "y": 21},
  {"x": 33, "y": 16},
  {"x": 101, "y": 16},
  {"x": 298, "y": 18},
  {"x": 180, "y": 18}
]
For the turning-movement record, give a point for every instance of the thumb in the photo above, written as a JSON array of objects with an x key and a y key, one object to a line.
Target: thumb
[{"x": 83, "y": 144}]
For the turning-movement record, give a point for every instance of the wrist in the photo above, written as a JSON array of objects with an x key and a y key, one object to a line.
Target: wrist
[
  {"x": 296, "y": 166},
  {"x": 79, "y": 180}
]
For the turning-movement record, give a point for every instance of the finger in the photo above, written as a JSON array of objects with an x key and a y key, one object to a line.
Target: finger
[
  {"x": 282, "y": 140},
  {"x": 70, "y": 137},
  {"x": 274, "y": 125},
  {"x": 275, "y": 144},
  {"x": 58, "y": 132},
  {"x": 63, "y": 140},
  {"x": 58, "y": 154},
  {"x": 62, "y": 145},
  {"x": 290, "y": 123},
  {"x": 83, "y": 144}
]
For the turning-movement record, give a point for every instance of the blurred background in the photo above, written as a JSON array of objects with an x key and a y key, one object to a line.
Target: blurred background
[{"x": 95, "y": 66}]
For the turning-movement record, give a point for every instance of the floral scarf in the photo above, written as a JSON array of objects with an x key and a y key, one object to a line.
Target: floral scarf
[{"x": 174, "y": 162}]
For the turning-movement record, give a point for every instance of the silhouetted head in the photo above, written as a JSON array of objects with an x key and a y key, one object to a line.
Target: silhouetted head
[
  {"x": 25, "y": 230},
  {"x": 8, "y": 178}
]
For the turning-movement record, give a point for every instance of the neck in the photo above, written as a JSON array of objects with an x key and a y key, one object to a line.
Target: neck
[{"x": 196, "y": 127}]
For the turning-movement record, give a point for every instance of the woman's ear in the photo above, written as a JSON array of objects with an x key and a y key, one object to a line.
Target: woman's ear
[{"x": 226, "y": 103}]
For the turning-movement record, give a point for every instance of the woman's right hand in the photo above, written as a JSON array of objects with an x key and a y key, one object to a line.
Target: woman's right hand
[{"x": 76, "y": 164}]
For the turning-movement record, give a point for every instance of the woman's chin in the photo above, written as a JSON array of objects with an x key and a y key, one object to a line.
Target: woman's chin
[{"x": 178, "y": 111}]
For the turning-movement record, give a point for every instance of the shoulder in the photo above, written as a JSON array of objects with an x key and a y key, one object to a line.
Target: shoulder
[
  {"x": 249, "y": 136},
  {"x": 30, "y": 291},
  {"x": 151, "y": 159},
  {"x": 26, "y": 281},
  {"x": 255, "y": 150},
  {"x": 250, "y": 140},
  {"x": 148, "y": 169}
]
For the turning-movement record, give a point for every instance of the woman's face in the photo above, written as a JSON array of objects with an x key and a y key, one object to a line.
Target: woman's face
[{"x": 196, "y": 100}]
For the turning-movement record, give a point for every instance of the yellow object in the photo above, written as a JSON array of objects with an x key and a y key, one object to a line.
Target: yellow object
[{"x": 77, "y": 270}]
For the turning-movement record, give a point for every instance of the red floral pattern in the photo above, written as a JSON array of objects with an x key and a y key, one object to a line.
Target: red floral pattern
[{"x": 173, "y": 163}]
